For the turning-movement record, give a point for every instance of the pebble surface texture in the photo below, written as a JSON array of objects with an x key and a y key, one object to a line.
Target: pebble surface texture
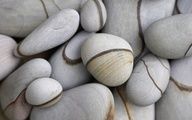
[
  {"x": 118, "y": 16},
  {"x": 170, "y": 37},
  {"x": 125, "y": 110},
  {"x": 19, "y": 17},
  {"x": 95, "y": 59},
  {"x": 67, "y": 65},
  {"x": 108, "y": 58},
  {"x": 43, "y": 92},
  {"x": 176, "y": 102},
  {"x": 8, "y": 62},
  {"x": 93, "y": 15},
  {"x": 13, "y": 88},
  {"x": 184, "y": 6},
  {"x": 54, "y": 31},
  {"x": 148, "y": 80},
  {"x": 86, "y": 102}
]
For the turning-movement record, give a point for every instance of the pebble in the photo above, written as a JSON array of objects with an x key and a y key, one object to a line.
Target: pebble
[
  {"x": 170, "y": 37},
  {"x": 53, "y": 32}
]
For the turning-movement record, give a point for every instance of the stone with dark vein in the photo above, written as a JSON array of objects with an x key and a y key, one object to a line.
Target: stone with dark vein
[
  {"x": 126, "y": 110},
  {"x": 148, "y": 81},
  {"x": 175, "y": 104},
  {"x": 87, "y": 102},
  {"x": 170, "y": 37},
  {"x": 67, "y": 66}
]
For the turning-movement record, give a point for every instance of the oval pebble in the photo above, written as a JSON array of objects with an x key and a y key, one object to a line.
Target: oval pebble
[
  {"x": 148, "y": 81},
  {"x": 170, "y": 37},
  {"x": 53, "y": 32},
  {"x": 43, "y": 92},
  {"x": 108, "y": 58},
  {"x": 93, "y": 15}
]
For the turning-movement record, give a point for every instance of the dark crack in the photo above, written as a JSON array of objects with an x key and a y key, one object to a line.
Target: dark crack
[
  {"x": 177, "y": 7},
  {"x": 181, "y": 86},
  {"x": 162, "y": 63},
  {"x": 99, "y": 8},
  {"x": 125, "y": 103},
  {"x": 45, "y": 9},
  {"x": 56, "y": 5},
  {"x": 151, "y": 76},
  {"x": 188, "y": 49}
]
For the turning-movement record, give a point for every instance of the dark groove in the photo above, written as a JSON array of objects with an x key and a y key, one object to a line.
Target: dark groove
[
  {"x": 22, "y": 92},
  {"x": 56, "y": 5},
  {"x": 18, "y": 52},
  {"x": 141, "y": 35},
  {"x": 59, "y": 95},
  {"x": 125, "y": 104},
  {"x": 162, "y": 63},
  {"x": 69, "y": 60},
  {"x": 45, "y": 9},
  {"x": 105, "y": 52},
  {"x": 111, "y": 112},
  {"x": 181, "y": 86},
  {"x": 177, "y": 8},
  {"x": 188, "y": 49},
  {"x": 139, "y": 19},
  {"x": 151, "y": 77},
  {"x": 99, "y": 8}
]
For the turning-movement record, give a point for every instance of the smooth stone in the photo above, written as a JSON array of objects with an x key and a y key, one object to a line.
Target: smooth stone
[
  {"x": 20, "y": 18},
  {"x": 184, "y": 6},
  {"x": 176, "y": 102},
  {"x": 67, "y": 66},
  {"x": 87, "y": 102},
  {"x": 125, "y": 110},
  {"x": 123, "y": 23},
  {"x": 148, "y": 80},
  {"x": 43, "y": 91},
  {"x": 108, "y": 58},
  {"x": 153, "y": 10},
  {"x": 16, "y": 83},
  {"x": 53, "y": 32},
  {"x": 170, "y": 37},
  {"x": 8, "y": 62},
  {"x": 131, "y": 25},
  {"x": 93, "y": 15}
]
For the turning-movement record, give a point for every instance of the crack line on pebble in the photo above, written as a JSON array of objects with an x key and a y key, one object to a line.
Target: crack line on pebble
[
  {"x": 22, "y": 92},
  {"x": 177, "y": 7},
  {"x": 45, "y": 9},
  {"x": 56, "y": 5},
  {"x": 162, "y": 63},
  {"x": 151, "y": 77},
  {"x": 140, "y": 26},
  {"x": 125, "y": 104},
  {"x": 99, "y": 8},
  {"x": 188, "y": 49},
  {"x": 181, "y": 86},
  {"x": 139, "y": 19},
  {"x": 69, "y": 60}
]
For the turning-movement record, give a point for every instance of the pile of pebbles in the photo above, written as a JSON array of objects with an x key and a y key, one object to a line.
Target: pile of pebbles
[{"x": 95, "y": 60}]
